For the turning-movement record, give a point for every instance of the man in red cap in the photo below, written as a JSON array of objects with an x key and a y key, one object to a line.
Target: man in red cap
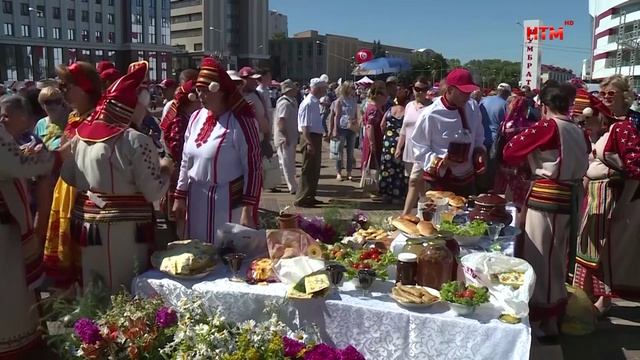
[
  {"x": 253, "y": 97},
  {"x": 449, "y": 137}
]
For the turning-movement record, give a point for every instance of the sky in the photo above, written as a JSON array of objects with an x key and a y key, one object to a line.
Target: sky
[{"x": 462, "y": 29}]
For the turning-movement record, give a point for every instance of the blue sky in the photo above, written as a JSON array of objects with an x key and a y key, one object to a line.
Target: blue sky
[{"x": 464, "y": 29}]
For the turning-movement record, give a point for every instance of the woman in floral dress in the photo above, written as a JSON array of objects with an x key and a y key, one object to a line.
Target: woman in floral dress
[{"x": 393, "y": 182}]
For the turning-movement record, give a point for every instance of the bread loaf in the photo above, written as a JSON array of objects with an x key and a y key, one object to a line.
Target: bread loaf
[
  {"x": 405, "y": 226},
  {"x": 425, "y": 228}
]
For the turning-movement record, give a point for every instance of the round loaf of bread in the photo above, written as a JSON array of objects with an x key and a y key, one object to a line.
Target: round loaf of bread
[
  {"x": 426, "y": 228},
  {"x": 405, "y": 226}
]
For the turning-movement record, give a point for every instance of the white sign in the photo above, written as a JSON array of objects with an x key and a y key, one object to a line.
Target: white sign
[{"x": 531, "y": 54}]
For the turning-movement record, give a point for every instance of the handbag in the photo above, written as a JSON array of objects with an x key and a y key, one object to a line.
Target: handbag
[
  {"x": 334, "y": 148},
  {"x": 271, "y": 177},
  {"x": 369, "y": 181}
]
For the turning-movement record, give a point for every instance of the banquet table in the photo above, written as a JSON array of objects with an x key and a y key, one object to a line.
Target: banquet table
[{"x": 375, "y": 324}]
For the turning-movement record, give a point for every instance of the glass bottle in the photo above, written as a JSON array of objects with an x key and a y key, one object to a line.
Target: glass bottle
[
  {"x": 226, "y": 245},
  {"x": 434, "y": 265}
]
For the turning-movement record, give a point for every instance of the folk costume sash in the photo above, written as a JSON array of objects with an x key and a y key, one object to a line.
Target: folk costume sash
[
  {"x": 560, "y": 198},
  {"x": 15, "y": 202}
]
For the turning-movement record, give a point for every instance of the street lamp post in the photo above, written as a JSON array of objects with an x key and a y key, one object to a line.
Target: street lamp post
[{"x": 223, "y": 46}]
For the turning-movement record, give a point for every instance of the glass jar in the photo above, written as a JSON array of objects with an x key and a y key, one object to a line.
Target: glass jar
[
  {"x": 460, "y": 146},
  {"x": 435, "y": 264},
  {"x": 454, "y": 248},
  {"x": 413, "y": 246},
  {"x": 406, "y": 268},
  {"x": 226, "y": 245}
]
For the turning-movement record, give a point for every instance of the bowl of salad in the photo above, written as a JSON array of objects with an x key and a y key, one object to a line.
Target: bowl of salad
[
  {"x": 463, "y": 299},
  {"x": 467, "y": 234}
]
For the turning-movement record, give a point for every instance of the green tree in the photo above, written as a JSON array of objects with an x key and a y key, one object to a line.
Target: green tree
[
  {"x": 489, "y": 73},
  {"x": 377, "y": 50},
  {"x": 453, "y": 63},
  {"x": 434, "y": 67}
]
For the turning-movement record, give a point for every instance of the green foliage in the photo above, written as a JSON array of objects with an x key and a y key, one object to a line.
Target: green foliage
[
  {"x": 434, "y": 67},
  {"x": 378, "y": 50},
  {"x": 490, "y": 72},
  {"x": 456, "y": 292}
]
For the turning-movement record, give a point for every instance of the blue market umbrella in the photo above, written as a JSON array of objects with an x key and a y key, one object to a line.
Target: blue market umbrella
[{"x": 383, "y": 65}]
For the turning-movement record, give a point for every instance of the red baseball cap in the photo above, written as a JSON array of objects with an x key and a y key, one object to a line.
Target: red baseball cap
[
  {"x": 168, "y": 83},
  {"x": 462, "y": 80},
  {"x": 248, "y": 71}
]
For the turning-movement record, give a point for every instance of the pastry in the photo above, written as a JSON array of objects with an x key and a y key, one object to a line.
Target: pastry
[
  {"x": 425, "y": 228},
  {"x": 412, "y": 218},
  {"x": 405, "y": 226},
  {"x": 187, "y": 257},
  {"x": 512, "y": 278},
  {"x": 457, "y": 201},
  {"x": 314, "y": 251},
  {"x": 413, "y": 295}
]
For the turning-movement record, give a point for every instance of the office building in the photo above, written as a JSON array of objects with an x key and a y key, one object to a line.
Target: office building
[
  {"x": 37, "y": 35},
  {"x": 278, "y": 25},
  {"x": 309, "y": 54},
  {"x": 233, "y": 29},
  {"x": 616, "y": 30},
  {"x": 550, "y": 72}
]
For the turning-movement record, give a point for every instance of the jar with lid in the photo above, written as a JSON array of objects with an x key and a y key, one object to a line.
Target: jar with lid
[
  {"x": 406, "y": 268},
  {"x": 413, "y": 246},
  {"x": 435, "y": 264},
  {"x": 454, "y": 248},
  {"x": 460, "y": 146}
]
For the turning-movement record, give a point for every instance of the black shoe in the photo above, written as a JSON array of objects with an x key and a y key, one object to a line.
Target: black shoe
[
  {"x": 292, "y": 192},
  {"x": 275, "y": 190},
  {"x": 317, "y": 202}
]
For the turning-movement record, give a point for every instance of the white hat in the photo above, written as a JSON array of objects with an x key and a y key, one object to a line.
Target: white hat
[
  {"x": 315, "y": 82},
  {"x": 234, "y": 75},
  {"x": 324, "y": 77},
  {"x": 504, "y": 86}
]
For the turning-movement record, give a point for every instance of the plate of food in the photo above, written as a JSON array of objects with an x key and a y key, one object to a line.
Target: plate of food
[
  {"x": 414, "y": 296},
  {"x": 185, "y": 259},
  {"x": 467, "y": 234},
  {"x": 463, "y": 299}
]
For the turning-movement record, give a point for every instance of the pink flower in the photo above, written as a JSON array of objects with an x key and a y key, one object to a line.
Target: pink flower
[
  {"x": 292, "y": 347},
  {"x": 166, "y": 317},
  {"x": 350, "y": 353},
  {"x": 322, "y": 352},
  {"x": 88, "y": 331}
]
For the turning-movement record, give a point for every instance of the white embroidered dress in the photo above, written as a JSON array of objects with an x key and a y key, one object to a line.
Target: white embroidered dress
[{"x": 219, "y": 172}]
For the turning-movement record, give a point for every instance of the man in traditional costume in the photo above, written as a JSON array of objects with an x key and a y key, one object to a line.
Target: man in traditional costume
[
  {"x": 556, "y": 150},
  {"x": 20, "y": 251},
  {"x": 118, "y": 175},
  {"x": 221, "y": 171},
  {"x": 440, "y": 126}
]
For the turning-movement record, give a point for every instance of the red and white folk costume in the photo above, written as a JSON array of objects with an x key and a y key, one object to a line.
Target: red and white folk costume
[
  {"x": 221, "y": 169},
  {"x": 174, "y": 125},
  {"x": 21, "y": 254},
  {"x": 117, "y": 172},
  {"x": 556, "y": 150},
  {"x": 608, "y": 246}
]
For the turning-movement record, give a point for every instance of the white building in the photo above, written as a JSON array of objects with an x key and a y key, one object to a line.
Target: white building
[
  {"x": 586, "y": 69},
  {"x": 278, "y": 24},
  {"x": 616, "y": 30}
]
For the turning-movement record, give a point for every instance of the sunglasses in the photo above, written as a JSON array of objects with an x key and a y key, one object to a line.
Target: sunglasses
[
  {"x": 610, "y": 93},
  {"x": 420, "y": 89},
  {"x": 52, "y": 102}
]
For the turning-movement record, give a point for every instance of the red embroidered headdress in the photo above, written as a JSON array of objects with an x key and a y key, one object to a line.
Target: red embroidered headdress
[
  {"x": 214, "y": 78},
  {"x": 113, "y": 113}
]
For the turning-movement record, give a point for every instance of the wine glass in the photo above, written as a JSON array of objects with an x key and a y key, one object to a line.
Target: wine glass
[
  {"x": 336, "y": 272},
  {"x": 494, "y": 230},
  {"x": 235, "y": 263},
  {"x": 366, "y": 278}
]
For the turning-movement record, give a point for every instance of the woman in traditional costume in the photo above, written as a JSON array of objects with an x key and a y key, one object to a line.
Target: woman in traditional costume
[
  {"x": 173, "y": 125},
  {"x": 118, "y": 175},
  {"x": 220, "y": 174},
  {"x": 81, "y": 86},
  {"x": 20, "y": 250},
  {"x": 608, "y": 246},
  {"x": 556, "y": 150}
]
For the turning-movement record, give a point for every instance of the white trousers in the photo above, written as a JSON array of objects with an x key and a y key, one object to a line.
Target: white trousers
[{"x": 287, "y": 158}]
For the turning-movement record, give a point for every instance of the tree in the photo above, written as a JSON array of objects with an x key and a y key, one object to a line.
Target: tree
[
  {"x": 434, "y": 67},
  {"x": 489, "y": 73},
  {"x": 377, "y": 50},
  {"x": 453, "y": 63},
  {"x": 278, "y": 36}
]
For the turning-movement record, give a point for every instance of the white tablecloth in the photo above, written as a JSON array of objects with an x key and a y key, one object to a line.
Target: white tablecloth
[{"x": 375, "y": 325}]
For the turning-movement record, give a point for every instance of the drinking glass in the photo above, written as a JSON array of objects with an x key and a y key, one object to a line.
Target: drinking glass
[
  {"x": 494, "y": 230},
  {"x": 366, "y": 278},
  {"x": 235, "y": 263},
  {"x": 336, "y": 273}
]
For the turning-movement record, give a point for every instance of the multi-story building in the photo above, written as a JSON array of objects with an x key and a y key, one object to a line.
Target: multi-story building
[
  {"x": 550, "y": 72},
  {"x": 37, "y": 35},
  {"x": 309, "y": 54},
  {"x": 278, "y": 25},
  {"x": 616, "y": 38},
  {"x": 235, "y": 29}
]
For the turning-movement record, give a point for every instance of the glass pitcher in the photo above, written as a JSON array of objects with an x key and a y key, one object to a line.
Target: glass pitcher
[{"x": 460, "y": 146}]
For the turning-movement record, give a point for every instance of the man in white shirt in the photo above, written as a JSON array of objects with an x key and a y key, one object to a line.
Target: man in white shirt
[
  {"x": 285, "y": 132},
  {"x": 264, "y": 82},
  {"x": 251, "y": 94},
  {"x": 448, "y": 139},
  {"x": 311, "y": 129}
]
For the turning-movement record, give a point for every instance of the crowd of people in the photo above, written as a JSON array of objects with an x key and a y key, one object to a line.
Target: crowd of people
[{"x": 83, "y": 161}]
